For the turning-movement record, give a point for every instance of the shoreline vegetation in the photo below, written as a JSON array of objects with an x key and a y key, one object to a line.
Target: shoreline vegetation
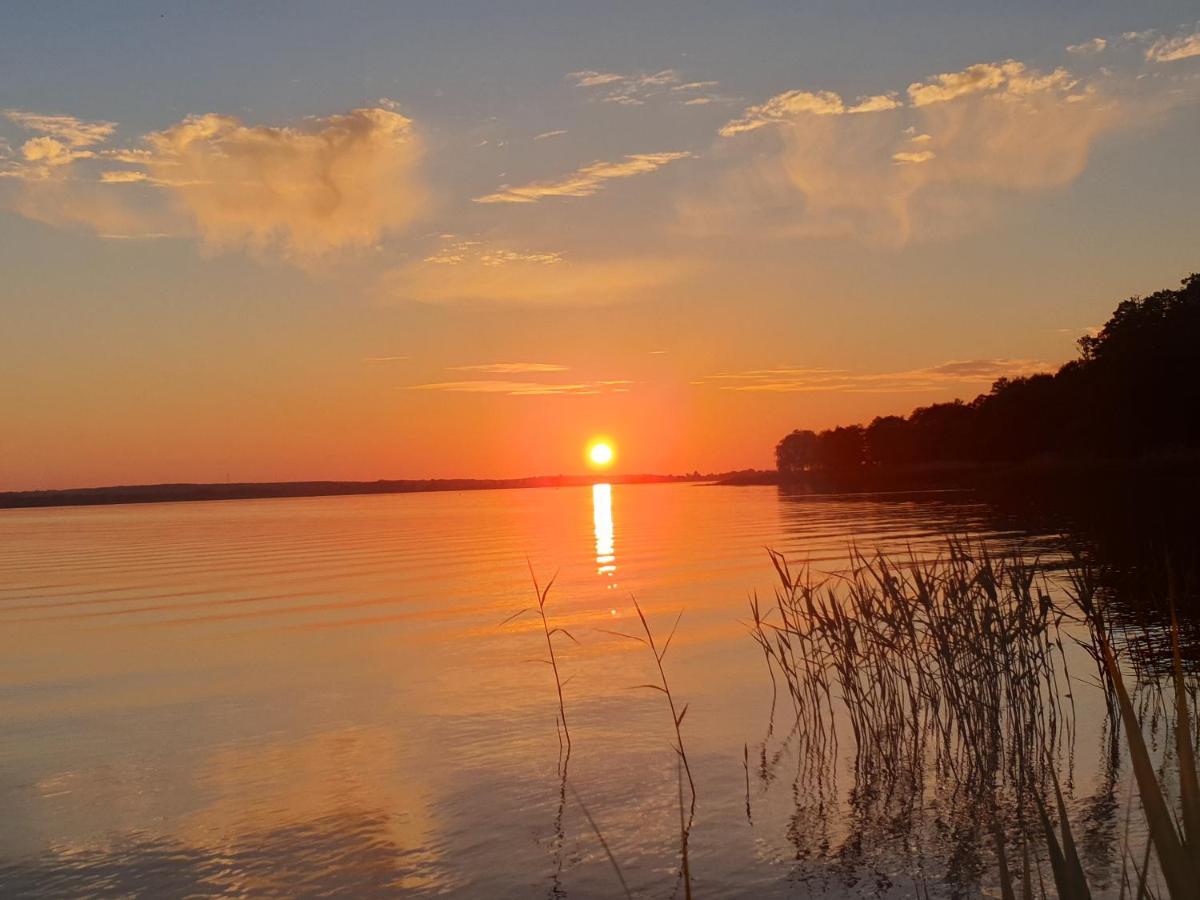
[
  {"x": 944, "y": 690},
  {"x": 1131, "y": 396}
]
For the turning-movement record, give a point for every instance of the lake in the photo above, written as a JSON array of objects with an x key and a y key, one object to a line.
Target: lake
[{"x": 323, "y": 696}]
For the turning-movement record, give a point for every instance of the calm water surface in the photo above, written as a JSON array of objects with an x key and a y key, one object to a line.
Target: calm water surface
[{"x": 317, "y": 696}]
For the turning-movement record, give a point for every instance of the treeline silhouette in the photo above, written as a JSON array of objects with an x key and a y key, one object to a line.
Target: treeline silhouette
[{"x": 1133, "y": 392}]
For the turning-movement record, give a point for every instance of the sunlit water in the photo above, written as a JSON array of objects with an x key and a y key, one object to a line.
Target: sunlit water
[{"x": 317, "y": 696}]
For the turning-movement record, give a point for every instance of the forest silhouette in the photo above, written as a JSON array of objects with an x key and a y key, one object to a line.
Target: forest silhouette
[{"x": 1132, "y": 393}]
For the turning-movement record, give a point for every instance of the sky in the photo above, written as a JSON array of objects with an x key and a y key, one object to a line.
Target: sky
[{"x": 261, "y": 242}]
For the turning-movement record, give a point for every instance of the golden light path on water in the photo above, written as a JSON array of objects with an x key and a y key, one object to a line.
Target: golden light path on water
[{"x": 602, "y": 521}]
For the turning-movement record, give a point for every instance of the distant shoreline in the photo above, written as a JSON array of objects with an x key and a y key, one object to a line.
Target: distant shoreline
[
  {"x": 181, "y": 493},
  {"x": 926, "y": 477}
]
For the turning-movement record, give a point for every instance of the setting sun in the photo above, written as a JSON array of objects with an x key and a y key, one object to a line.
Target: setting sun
[{"x": 600, "y": 453}]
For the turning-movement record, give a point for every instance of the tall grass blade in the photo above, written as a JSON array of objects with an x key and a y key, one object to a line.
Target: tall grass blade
[{"x": 1177, "y": 869}]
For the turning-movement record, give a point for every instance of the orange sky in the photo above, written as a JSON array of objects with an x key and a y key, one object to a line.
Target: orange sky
[{"x": 427, "y": 243}]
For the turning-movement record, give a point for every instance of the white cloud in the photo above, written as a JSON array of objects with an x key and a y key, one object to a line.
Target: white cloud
[{"x": 585, "y": 181}]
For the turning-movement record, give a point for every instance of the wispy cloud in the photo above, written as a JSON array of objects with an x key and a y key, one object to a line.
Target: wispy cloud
[
  {"x": 482, "y": 272},
  {"x": 585, "y": 181},
  {"x": 122, "y": 176},
  {"x": 510, "y": 368},
  {"x": 1095, "y": 45},
  {"x": 943, "y": 377},
  {"x": 790, "y": 104},
  {"x": 60, "y": 141},
  {"x": 549, "y": 134},
  {"x": 1172, "y": 49},
  {"x": 456, "y": 253},
  {"x": 71, "y": 131},
  {"x": 913, "y": 156},
  {"x": 636, "y": 88},
  {"x": 525, "y": 388}
]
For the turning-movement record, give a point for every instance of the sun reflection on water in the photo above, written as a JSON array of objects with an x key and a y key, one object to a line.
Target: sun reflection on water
[{"x": 602, "y": 520}]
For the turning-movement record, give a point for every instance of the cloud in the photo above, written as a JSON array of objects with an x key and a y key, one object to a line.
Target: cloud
[
  {"x": 585, "y": 181},
  {"x": 913, "y": 156},
  {"x": 549, "y": 134},
  {"x": 949, "y": 85},
  {"x": 785, "y": 107},
  {"x": 513, "y": 368},
  {"x": 456, "y": 252},
  {"x": 60, "y": 141},
  {"x": 338, "y": 182},
  {"x": 523, "y": 388},
  {"x": 790, "y": 105},
  {"x": 932, "y": 167},
  {"x": 342, "y": 181},
  {"x": 1183, "y": 46},
  {"x": 635, "y": 89},
  {"x": 473, "y": 271},
  {"x": 122, "y": 176},
  {"x": 943, "y": 377},
  {"x": 67, "y": 129},
  {"x": 1095, "y": 45}
]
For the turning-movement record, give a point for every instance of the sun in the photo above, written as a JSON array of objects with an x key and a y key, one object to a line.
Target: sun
[{"x": 600, "y": 453}]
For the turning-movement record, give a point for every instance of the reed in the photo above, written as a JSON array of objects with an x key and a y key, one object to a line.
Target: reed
[
  {"x": 955, "y": 666},
  {"x": 1174, "y": 838},
  {"x": 551, "y": 659},
  {"x": 663, "y": 686}
]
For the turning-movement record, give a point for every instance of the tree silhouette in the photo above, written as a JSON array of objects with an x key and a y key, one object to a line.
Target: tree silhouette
[{"x": 1133, "y": 391}]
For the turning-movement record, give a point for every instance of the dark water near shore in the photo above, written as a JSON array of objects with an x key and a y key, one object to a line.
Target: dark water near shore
[{"x": 316, "y": 696}]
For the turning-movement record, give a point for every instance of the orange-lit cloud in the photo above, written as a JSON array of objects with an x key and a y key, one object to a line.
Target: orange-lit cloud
[
  {"x": 510, "y": 368},
  {"x": 585, "y": 181},
  {"x": 1171, "y": 49},
  {"x": 342, "y": 181},
  {"x": 635, "y": 89},
  {"x": 69, "y": 130},
  {"x": 474, "y": 271},
  {"x": 787, "y": 106},
  {"x": 525, "y": 388},
  {"x": 1095, "y": 45},
  {"x": 60, "y": 141},
  {"x": 943, "y": 377},
  {"x": 928, "y": 168}
]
